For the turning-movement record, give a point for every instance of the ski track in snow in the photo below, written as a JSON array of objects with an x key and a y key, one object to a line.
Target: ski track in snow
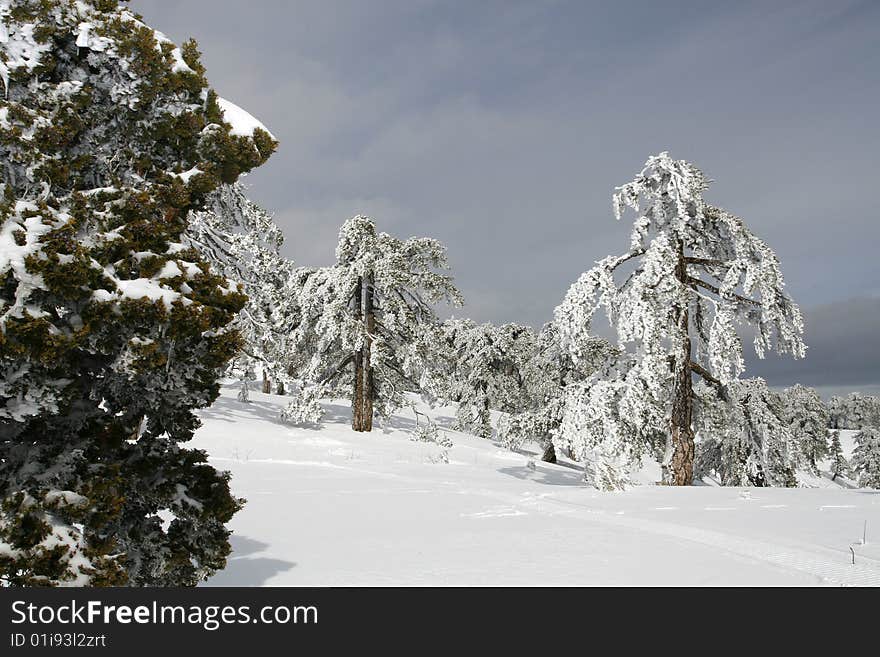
[
  {"x": 834, "y": 572},
  {"x": 479, "y": 475},
  {"x": 825, "y": 568},
  {"x": 831, "y": 568}
]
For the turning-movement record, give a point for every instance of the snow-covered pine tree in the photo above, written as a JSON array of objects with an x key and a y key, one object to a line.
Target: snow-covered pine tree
[
  {"x": 241, "y": 241},
  {"x": 866, "y": 457},
  {"x": 368, "y": 322},
  {"x": 854, "y": 411},
  {"x": 311, "y": 287},
  {"x": 691, "y": 274},
  {"x": 602, "y": 427},
  {"x": 839, "y": 464},
  {"x": 111, "y": 330},
  {"x": 747, "y": 438},
  {"x": 807, "y": 418},
  {"x": 834, "y": 412},
  {"x": 482, "y": 370},
  {"x": 546, "y": 375}
]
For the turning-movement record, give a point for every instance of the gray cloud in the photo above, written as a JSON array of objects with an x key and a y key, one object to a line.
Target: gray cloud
[
  {"x": 843, "y": 352},
  {"x": 503, "y": 127}
]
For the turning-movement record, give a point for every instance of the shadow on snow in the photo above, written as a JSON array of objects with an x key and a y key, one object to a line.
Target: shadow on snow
[{"x": 242, "y": 569}]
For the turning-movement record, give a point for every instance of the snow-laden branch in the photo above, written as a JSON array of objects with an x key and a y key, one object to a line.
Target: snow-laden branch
[{"x": 663, "y": 314}]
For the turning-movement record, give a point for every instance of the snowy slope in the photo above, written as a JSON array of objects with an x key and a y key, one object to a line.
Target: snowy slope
[{"x": 327, "y": 506}]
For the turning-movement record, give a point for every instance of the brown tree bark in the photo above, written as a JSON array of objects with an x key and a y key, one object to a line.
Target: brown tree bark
[
  {"x": 549, "y": 455},
  {"x": 267, "y": 385},
  {"x": 357, "y": 397},
  {"x": 483, "y": 419},
  {"x": 370, "y": 328},
  {"x": 362, "y": 399},
  {"x": 681, "y": 466}
]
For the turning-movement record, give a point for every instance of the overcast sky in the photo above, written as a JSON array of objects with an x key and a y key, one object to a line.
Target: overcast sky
[{"x": 502, "y": 128}]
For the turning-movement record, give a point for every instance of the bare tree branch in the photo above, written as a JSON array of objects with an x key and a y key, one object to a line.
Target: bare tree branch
[
  {"x": 626, "y": 258},
  {"x": 704, "y": 261},
  {"x": 332, "y": 375},
  {"x": 703, "y": 372},
  {"x": 712, "y": 288}
]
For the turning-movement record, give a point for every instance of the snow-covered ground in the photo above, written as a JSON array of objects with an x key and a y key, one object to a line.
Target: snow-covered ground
[{"x": 328, "y": 506}]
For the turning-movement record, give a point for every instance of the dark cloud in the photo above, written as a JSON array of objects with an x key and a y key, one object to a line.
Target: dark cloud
[
  {"x": 502, "y": 128},
  {"x": 843, "y": 349}
]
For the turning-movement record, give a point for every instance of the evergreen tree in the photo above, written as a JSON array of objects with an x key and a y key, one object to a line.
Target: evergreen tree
[
  {"x": 369, "y": 320},
  {"x": 692, "y": 274},
  {"x": 547, "y": 375},
  {"x": 839, "y": 464},
  {"x": 866, "y": 457},
  {"x": 746, "y": 438},
  {"x": 241, "y": 241},
  {"x": 112, "y": 331},
  {"x": 854, "y": 411},
  {"x": 807, "y": 418},
  {"x": 481, "y": 369}
]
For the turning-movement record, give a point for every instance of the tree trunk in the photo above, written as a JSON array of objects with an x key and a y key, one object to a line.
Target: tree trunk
[
  {"x": 362, "y": 399},
  {"x": 370, "y": 329},
  {"x": 357, "y": 397},
  {"x": 267, "y": 385},
  {"x": 549, "y": 455},
  {"x": 484, "y": 417},
  {"x": 679, "y": 470}
]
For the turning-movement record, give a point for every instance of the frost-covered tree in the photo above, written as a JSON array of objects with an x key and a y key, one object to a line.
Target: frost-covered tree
[
  {"x": 839, "y": 464},
  {"x": 112, "y": 331},
  {"x": 547, "y": 375},
  {"x": 807, "y": 418},
  {"x": 368, "y": 322},
  {"x": 538, "y": 425},
  {"x": 692, "y": 274},
  {"x": 854, "y": 411},
  {"x": 866, "y": 457},
  {"x": 481, "y": 368},
  {"x": 601, "y": 428},
  {"x": 241, "y": 241},
  {"x": 746, "y": 438}
]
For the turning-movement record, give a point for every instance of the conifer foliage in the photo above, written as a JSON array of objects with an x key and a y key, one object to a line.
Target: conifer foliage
[
  {"x": 367, "y": 322},
  {"x": 692, "y": 273},
  {"x": 839, "y": 465},
  {"x": 807, "y": 418},
  {"x": 482, "y": 368},
  {"x": 854, "y": 411},
  {"x": 241, "y": 241},
  {"x": 866, "y": 457},
  {"x": 747, "y": 438},
  {"x": 112, "y": 330},
  {"x": 549, "y": 375}
]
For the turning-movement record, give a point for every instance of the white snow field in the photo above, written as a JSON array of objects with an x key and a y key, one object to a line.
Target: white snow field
[{"x": 331, "y": 507}]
